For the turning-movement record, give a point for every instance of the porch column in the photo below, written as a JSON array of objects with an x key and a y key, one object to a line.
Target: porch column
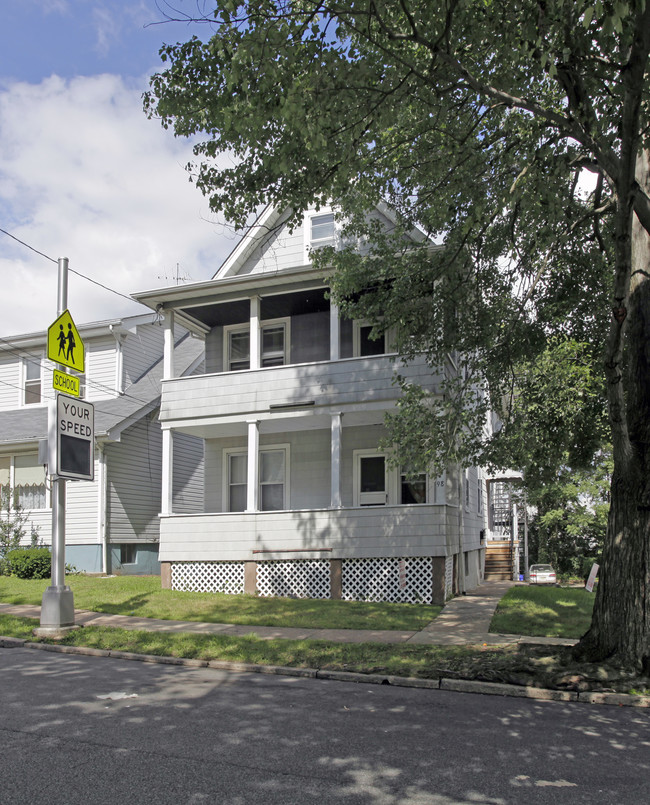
[
  {"x": 167, "y": 472},
  {"x": 335, "y": 333},
  {"x": 168, "y": 345},
  {"x": 253, "y": 471},
  {"x": 337, "y": 433},
  {"x": 255, "y": 350}
]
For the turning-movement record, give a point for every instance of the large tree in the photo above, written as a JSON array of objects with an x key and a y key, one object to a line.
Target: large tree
[{"x": 477, "y": 121}]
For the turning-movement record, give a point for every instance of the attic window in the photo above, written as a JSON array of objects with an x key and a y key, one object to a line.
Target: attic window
[{"x": 322, "y": 230}]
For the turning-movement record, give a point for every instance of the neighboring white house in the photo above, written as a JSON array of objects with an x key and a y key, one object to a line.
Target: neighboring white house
[
  {"x": 299, "y": 499},
  {"x": 111, "y": 522}
]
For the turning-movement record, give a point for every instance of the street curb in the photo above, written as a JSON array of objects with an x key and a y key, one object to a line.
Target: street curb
[{"x": 441, "y": 683}]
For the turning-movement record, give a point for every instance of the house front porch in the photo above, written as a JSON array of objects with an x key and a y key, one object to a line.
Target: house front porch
[{"x": 375, "y": 553}]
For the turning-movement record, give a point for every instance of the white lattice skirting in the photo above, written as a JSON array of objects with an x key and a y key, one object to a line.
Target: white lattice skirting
[
  {"x": 398, "y": 580},
  {"x": 208, "y": 577},
  {"x": 449, "y": 577},
  {"x": 302, "y": 578},
  {"x": 404, "y": 581}
]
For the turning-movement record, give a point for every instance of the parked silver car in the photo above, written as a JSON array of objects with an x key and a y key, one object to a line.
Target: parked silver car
[{"x": 542, "y": 574}]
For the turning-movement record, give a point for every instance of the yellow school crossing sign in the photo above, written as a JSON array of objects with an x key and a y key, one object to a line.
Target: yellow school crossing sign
[{"x": 64, "y": 344}]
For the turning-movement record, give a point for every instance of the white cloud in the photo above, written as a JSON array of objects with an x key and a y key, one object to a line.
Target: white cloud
[{"x": 85, "y": 175}]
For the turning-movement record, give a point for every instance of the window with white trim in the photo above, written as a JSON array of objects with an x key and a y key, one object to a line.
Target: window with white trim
[
  {"x": 322, "y": 230},
  {"x": 25, "y": 477},
  {"x": 32, "y": 380},
  {"x": 273, "y": 479},
  {"x": 237, "y": 483},
  {"x": 362, "y": 342},
  {"x": 413, "y": 488},
  {"x": 274, "y": 338}
]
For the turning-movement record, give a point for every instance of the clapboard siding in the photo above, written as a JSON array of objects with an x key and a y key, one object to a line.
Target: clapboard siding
[
  {"x": 354, "y": 381},
  {"x": 10, "y": 395},
  {"x": 81, "y": 517},
  {"x": 133, "y": 469},
  {"x": 282, "y": 249},
  {"x": 188, "y": 474},
  {"x": 141, "y": 350},
  {"x": 101, "y": 367},
  {"x": 308, "y": 470},
  {"x": 349, "y": 533}
]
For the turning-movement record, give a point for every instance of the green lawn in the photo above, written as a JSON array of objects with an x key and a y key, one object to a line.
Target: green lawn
[
  {"x": 544, "y": 611},
  {"x": 142, "y": 596}
]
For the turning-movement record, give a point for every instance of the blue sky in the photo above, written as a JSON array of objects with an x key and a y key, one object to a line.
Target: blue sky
[{"x": 83, "y": 173}]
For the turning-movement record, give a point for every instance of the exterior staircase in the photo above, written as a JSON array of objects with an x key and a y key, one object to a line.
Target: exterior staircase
[{"x": 498, "y": 561}]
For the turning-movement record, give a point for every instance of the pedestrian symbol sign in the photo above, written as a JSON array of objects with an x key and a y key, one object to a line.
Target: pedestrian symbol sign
[{"x": 64, "y": 344}]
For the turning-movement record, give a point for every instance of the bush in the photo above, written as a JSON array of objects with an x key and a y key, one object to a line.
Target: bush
[
  {"x": 30, "y": 563},
  {"x": 13, "y": 522}
]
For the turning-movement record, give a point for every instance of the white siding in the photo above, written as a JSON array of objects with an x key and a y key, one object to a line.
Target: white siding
[
  {"x": 10, "y": 394},
  {"x": 101, "y": 368},
  {"x": 353, "y": 381},
  {"x": 368, "y": 532},
  {"x": 281, "y": 250},
  {"x": 81, "y": 516}
]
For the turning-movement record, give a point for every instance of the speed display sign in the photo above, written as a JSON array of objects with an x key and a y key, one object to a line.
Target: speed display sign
[{"x": 75, "y": 440}]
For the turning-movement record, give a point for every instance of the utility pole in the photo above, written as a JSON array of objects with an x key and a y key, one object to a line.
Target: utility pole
[{"x": 57, "y": 607}]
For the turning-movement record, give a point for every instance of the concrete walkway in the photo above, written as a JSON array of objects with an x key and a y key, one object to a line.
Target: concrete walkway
[{"x": 464, "y": 620}]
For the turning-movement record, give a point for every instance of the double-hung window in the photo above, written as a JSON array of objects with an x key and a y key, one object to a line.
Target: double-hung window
[
  {"x": 32, "y": 384},
  {"x": 273, "y": 476},
  {"x": 322, "y": 230},
  {"x": 237, "y": 484},
  {"x": 274, "y": 338}
]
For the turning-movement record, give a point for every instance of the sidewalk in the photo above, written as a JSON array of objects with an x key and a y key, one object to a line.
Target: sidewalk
[{"x": 465, "y": 620}]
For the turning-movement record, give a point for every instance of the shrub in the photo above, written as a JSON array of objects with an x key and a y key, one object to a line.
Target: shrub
[
  {"x": 13, "y": 522},
  {"x": 30, "y": 563}
]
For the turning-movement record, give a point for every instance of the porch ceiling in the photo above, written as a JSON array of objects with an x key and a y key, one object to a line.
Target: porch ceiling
[{"x": 279, "y": 422}]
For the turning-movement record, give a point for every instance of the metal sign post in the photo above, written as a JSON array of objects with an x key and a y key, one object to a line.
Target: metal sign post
[{"x": 57, "y": 607}]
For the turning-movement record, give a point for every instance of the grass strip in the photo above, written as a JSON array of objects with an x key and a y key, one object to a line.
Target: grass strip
[
  {"x": 143, "y": 597},
  {"x": 536, "y": 666},
  {"x": 544, "y": 611}
]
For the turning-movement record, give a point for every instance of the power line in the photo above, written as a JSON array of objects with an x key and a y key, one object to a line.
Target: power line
[
  {"x": 78, "y": 273},
  {"x": 37, "y": 360},
  {"x": 105, "y": 287},
  {"x": 22, "y": 243}
]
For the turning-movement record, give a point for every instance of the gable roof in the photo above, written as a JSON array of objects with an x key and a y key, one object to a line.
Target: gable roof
[
  {"x": 269, "y": 221},
  {"x": 26, "y": 426}
]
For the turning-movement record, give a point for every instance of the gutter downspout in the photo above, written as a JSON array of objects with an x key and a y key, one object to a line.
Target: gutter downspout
[
  {"x": 119, "y": 359},
  {"x": 101, "y": 509}
]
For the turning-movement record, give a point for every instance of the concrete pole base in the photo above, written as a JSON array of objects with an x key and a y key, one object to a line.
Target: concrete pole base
[{"x": 57, "y": 608}]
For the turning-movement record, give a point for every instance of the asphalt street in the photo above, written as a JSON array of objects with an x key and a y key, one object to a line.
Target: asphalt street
[{"x": 78, "y": 729}]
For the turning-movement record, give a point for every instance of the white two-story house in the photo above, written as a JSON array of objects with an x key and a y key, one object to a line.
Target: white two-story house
[
  {"x": 112, "y": 521},
  {"x": 299, "y": 499}
]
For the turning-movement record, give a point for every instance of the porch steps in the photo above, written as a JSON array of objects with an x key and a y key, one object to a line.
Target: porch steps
[{"x": 498, "y": 561}]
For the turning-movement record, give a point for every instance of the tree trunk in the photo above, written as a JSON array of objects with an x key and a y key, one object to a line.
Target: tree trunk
[{"x": 620, "y": 629}]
